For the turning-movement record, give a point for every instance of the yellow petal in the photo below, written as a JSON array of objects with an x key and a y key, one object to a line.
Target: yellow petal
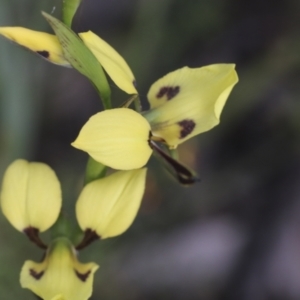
[
  {"x": 60, "y": 276},
  {"x": 44, "y": 44},
  {"x": 31, "y": 195},
  {"x": 117, "y": 138},
  {"x": 112, "y": 62},
  {"x": 109, "y": 205},
  {"x": 58, "y": 297},
  {"x": 189, "y": 101}
]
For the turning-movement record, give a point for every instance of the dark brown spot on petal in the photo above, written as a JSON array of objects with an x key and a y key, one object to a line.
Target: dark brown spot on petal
[
  {"x": 187, "y": 127},
  {"x": 33, "y": 234},
  {"x": 35, "y": 274},
  {"x": 89, "y": 237},
  {"x": 44, "y": 53},
  {"x": 83, "y": 277},
  {"x": 134, "y": 83},
  {"x": 168, "y": 91}
]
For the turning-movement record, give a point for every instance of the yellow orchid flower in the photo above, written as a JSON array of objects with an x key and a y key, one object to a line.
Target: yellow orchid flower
[
  {"x": 183, "y": 103},
  {"x": 109, "y": 205},
  {"x": 60, "y": 276},
  {"x": 30, "y": 196}
]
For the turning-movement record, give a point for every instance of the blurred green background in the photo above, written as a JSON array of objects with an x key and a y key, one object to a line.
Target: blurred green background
[{"x": 235, "y": 235}]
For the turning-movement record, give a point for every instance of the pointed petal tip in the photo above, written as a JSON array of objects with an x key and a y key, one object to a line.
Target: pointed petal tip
[{"x": 113, "y": 63}]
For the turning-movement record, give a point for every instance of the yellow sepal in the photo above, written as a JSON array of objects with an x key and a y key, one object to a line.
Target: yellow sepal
[
  {"x": 30, "y": 195},
  {"x": 117, "y": 138},
  {"x": 44, "y": 44},
  {"x": 109, "y": 205},
  {"x": 60, "y": 276},
  {"x": 189, "y": 101},
  {"x": 112, "y": 62}
]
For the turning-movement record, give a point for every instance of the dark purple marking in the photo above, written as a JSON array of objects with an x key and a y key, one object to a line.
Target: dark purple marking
[
  {"x": 168, "y": 91},
  {"x": 33, "y": 234},
  {"x": 187, "y": 127},
  {"x": 44, "y": 53},
  {"x": 89, "y": 237},
  {"x": 83, "y": 277},
  {"x": 35, "y": 274}
]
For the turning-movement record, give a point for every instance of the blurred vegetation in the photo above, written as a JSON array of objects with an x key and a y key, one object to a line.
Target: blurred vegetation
[{"x": 233, "y": 236}]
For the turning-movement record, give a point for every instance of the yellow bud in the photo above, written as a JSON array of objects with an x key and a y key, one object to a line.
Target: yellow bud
[
  {"x": 44, "y": 44},
  {"x": 30, "y": 195}
]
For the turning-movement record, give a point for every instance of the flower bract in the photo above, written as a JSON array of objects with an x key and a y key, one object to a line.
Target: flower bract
[
  {"x": 60, "y": 276},
  {"x": 109, "y": 205},
  {"x": 30, "y": 195}
]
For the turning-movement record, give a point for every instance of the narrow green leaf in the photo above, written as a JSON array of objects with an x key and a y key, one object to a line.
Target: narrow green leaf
[
  {"x": 81, "y": 58},
  {"x": 94, "y": 170},
  {"x": 69, "y": 9}
]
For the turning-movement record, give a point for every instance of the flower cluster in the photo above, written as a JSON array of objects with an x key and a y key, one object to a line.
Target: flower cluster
[
  {"x": 31, "y": 201},
  {"x": 183, "y": 103}
]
